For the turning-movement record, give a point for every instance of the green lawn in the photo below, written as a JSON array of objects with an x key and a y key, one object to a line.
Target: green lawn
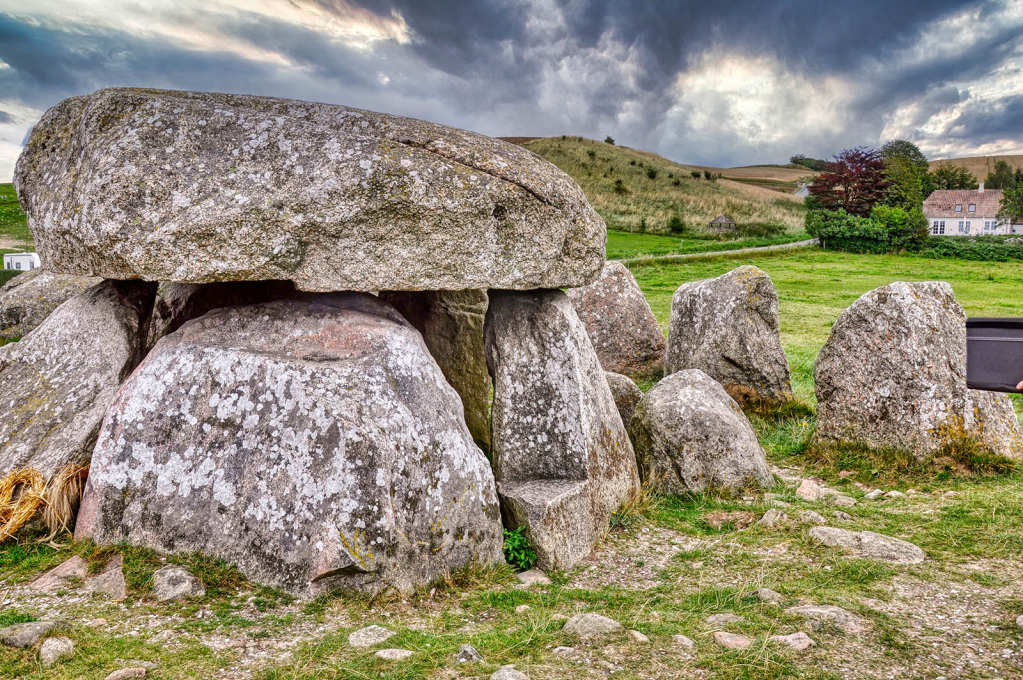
[
  {"x": 623, "y": 245},
  {"x": 13, "y": 225}
]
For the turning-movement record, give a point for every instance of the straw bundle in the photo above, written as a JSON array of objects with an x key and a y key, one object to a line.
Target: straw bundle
[{"x": 23, "y": 492}]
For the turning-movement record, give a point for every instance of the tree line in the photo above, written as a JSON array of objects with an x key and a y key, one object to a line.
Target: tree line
[{"x": 871, "y": 200}]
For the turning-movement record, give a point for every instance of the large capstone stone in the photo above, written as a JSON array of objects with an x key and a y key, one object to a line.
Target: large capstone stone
[
  {"x": 315, "y": 444},
  {"x": 690, "y": 436},
  {"x": 57, "y": 381},
  {"x": 196, "y": 187},
  {"x": 893, "y": 374},
  {"x": 620, "y": 323},
  {"x": 561, "y": 455},
  {"x": 27, "y": 299},
  {"x": 728, "y": 328},
  {"x": 451, "y": 323},
  {"x": 177, "y": 303}
]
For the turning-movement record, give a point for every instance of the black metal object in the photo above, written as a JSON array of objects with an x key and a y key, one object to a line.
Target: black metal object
[{"x": 994, "y": 353}]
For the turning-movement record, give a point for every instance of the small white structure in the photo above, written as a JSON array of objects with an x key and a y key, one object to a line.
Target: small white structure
[
  {"x": 21, "y": 261},
  {"x": 961, "y": 212}
]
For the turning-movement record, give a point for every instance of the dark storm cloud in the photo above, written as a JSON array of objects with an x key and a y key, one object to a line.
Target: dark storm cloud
[{"x": 590, "y": 67}]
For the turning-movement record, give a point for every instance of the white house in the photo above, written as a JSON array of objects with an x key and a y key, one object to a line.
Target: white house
[
  {"x": 961, "y": 212},
  {"x": 22, "y": 261}
]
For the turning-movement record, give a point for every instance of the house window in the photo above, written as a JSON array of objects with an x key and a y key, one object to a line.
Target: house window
[
  {"x": 973, "y": 207},
  {"x": 967, "y": 227},
  {"x": 959, "y": 207},
  {"x": 941, "y": 227},
  {"x": 17, "y": 265},
  {"x": 934, "y": 227},
  {"x": 961, "y": 227}
]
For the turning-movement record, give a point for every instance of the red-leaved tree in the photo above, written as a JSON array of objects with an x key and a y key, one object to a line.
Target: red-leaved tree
[{"x": 854, "y": 181}]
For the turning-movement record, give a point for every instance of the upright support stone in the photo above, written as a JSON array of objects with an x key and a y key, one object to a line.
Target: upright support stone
[
  {"x": 560, "y": 452},
  {"x": 313, "y": 443},
  {"x": 451, "y": 323},
  {"x": 56, "y": 383}
]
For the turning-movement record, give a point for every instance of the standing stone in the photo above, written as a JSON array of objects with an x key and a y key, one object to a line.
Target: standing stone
[
  {"x": 622, "y": 327},
  {"x": 893, "y": 374},
  {"x": 177, "y": 303},
  {"x": 690, "y": 436},
  {"x": 626, "y": 394},
  {"x": 56, "y": 383},
  {"x": 451, "y": 323},
  {"x": 561, "y": 455},
  {"x": 728, "y": 328},
  {"x": 320, "y": 435},
  {"x": 27, "y": 299},
  {"x": 243, "y": 188}
]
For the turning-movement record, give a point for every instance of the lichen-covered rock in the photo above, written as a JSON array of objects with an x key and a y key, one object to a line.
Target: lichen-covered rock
[
  {"x": 248, "y": 188},
  {"x": 315, "y": 444},
  {"x": 626, "y": 394},
  {"x": 27, "y": 299},
  {"x": 893, "y": 374},
  {"x": 690, "y": 435},
  {"x": 728, "y": 328},
  {"x": 451, "y": 323},
  {"x": 869, "y": 545},
  {"x": 57, "y": 381},
  {"x": 620, "y": 323},
  {"x": 177, "y": 303},
  {"x": 561, "y": 455}
]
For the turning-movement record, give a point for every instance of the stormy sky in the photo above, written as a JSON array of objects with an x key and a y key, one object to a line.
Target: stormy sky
[{"x": 704, "y": 82}]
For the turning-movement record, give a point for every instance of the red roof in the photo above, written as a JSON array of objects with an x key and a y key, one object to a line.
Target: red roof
[{"x": 942, "y": 203}]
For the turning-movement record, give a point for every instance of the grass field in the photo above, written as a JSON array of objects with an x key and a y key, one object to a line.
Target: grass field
[
  {"x": 623, "y": 245},
  {"x": 979, "y": 165},
  {"x": 654, "y": 201},
  {"x": 14, "y": 231}
]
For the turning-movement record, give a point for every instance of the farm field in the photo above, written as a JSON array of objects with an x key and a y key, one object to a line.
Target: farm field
[
  {"x": 623, "y": 245},
  {"x": 979, "y": 165}
]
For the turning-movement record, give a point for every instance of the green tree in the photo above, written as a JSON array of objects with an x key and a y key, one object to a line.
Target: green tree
[
  {"x": 905, "y": 185},
  {"x": 1011, "y": 207},
  {"x": 952, "y": 176},
  {"x": 1002, "y": 177},
  {"x": 609, "y": 140},
  {"x": 906, "y": 228},
  {"x": 906, "y": 150}
]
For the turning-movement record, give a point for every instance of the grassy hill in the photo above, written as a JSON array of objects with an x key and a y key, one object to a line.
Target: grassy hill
[
  {"x": 979, "y": 165},
  {"x": 648, "y": 203}
]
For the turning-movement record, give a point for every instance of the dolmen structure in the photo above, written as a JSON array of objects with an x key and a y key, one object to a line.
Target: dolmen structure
[{"x": 303, "y": 309}]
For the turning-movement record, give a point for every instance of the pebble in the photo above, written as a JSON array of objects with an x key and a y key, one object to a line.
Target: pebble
[
  {"x": 54, "y": 650},
  {"x": 843, "y": 501},
  {"x": 522, "y": 609},
  {"x": 772, "y": 518},
  {"x": 810, "y": 490},
  {"x": 639, "y": 637},
  {"x": 842, "y": 516},
  {"x": 683, "y": 641},
  {"x": 731, "y": 640},
  {"x": 394, "y": 654},
  {"x": 468, "y": 654},
  {"x": 798, "y": 641},
  {"x": 811, "y": 517},
  {"x": 1019, "y": 620},
  {"x": 369, "y": 636},
  {"x": 591, "y": 624},
  {"x": 723, "y": 619},
  {"x": 126, "y": 673},
  {"x": 895, "y": 494},
  {"x": 563, "y": 652},
  {"x": 769, "y": 596},
  {"x": 533, "y": 577},
  {"x": 508, "y": 673},
  {"x": 874, "y": 495}
]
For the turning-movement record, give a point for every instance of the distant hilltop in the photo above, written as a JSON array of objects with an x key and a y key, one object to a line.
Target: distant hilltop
[{"x": 979, "y": 165}]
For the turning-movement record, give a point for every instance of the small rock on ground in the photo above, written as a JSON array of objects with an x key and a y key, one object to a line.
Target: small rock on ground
[
  {"x": 723, "y": 619},
  {"x": 563, "y": 652},
  {"x": 110, "y": 582},
  {"x": 522, "y": 608},
  {"x": 369, "y": 636},
  {"x": 810, "y": 490},
  {"x": 1019, "y": 620},
  {"x": 683, "y": 641},
  {"x": 769, "y": 596},
  {"x": 811, "y": 517},
  {"x": 174, "y": 582},
  {"x": 772, "y": 518},
  {"x": 842, "y": 516},
  {"x": 533, "y": 577},
  {"x": 394, "y": 654},
  {"x": 869, "y": 545},
  {"x": 590, "y": 624},
  {"x": 895, "y": 494},
  {"x": 731, "y": 640},
  {"x": 127, "y": 673},
  {"x": 639, "y": 637},
  {"x": 508, "y": 673},
  {"x": 468, "y": 654},
  {"x": 798, "y": 641},
  {"x": 842, "y": 501},
  {"x": 55, "y": 649},
  {"x": 874, "y": 495},
  {"x": 846, "y": 620},
  {"x": 57, "y": 578},
  {"x": 22, "y": 635}
]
